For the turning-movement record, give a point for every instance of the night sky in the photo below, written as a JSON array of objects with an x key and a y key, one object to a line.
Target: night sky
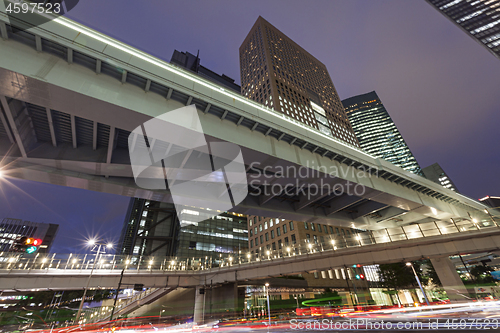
[{"x": 440, "y": 86}]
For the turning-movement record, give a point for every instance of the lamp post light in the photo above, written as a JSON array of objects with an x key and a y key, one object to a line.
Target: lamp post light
[
  {"x": 268, "y": 306},
  {"x": 297, "y": 299},
  {"x": 418, "y": 281},
  {"x": 91, "y": 242}
]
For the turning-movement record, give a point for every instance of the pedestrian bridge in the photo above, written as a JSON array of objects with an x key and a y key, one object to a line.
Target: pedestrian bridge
[
  {"x": 435, "y": 240},
  {"x": 70, "y": 97}
]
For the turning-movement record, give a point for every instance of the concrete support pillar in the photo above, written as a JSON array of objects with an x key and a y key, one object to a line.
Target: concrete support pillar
[
  {"x": 450, "y": 279},
  {"x": 198, "y": 305}
]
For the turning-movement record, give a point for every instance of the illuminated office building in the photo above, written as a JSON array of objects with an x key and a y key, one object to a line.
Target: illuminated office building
[
  {"x": 480, "y": 19},
  {"x": 436, "y": 174},
  {"x": 277, "y": 72},
  {"x": 376, "y": 132},
  {"x": 153, "y": 228}
]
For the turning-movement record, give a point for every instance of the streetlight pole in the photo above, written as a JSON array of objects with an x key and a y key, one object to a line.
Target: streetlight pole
[
  {"x": 91, "y": 242},
  {"x": 418, "y": 281},
  {"x": 268, "y": 306}
]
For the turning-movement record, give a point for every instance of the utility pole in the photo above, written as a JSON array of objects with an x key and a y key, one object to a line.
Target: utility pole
[{"x": 116, "y": 296}]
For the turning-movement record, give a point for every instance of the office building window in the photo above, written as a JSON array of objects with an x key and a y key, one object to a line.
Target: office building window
[
  {"x": 326, "y": 229},
  {"x": 306, "y": 226},
  {"x": 260, "y": 227},
  {"x": 308, "y": 238},
  {"x": 251, "y": 243},
  {"x": 261, "y": 239},
  {"x": 315, "y": 239},
  {"x": 286, "y": 240},
  {"x": 272, "y": 234},
  {"x": 291, "y": 225},
  {"x": 256, "y": 241},
  {"x": 280, "y": 246},
  {"x": 294, "y": 240},
  {"x": 265, "y": 225},
  {"x": 331, "y": 230},
  {"x": 278, "y": 231},
  {"x": 267, "y": 236},
  {"x": 312, "y": 227},
  {"x": 274, "y": 246},
  {"x": 284, "y": 228}
]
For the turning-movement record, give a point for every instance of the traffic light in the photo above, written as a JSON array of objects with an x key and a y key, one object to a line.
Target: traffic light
[
  {"x": 27, "y": 244},
  {"x": 360, "y": 277}
]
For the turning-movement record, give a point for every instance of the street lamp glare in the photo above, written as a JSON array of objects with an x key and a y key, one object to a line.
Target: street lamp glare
[
  {"x": 408, "y": 264},
  {"x": 109, "y": 245},
  {"x": 267, "y": 284},
  {"x": 91, "y": 241}
]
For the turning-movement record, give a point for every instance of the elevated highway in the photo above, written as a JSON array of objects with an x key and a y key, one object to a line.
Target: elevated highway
[{"x": 55, "y": 272}]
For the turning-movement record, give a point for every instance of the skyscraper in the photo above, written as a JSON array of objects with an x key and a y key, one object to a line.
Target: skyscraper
[
  {"x": 480, "y": 19},
  {"x": 152, "y": 228},
  {"x": 192, "y": 63},
  {"x": 280, "y": 74},
  {"x": 435, "y": 173},
  {"x": 376, "y": 132}
]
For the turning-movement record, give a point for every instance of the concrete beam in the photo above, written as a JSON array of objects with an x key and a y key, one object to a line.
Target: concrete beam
[
  {"x": 342, "y": 202},
  {"x": 207, "y": 108},
  {"x": 124, "y": 76},
  {"x": 38, "y": 43},
  {"x": 5, "y": 125},
  {"x": 94, "y": 135},
  {"x": 3, "y": 31},
  {"x": 73, "y": 130},
  {"x": 169, "y": 93},
  {"x": 111, "y": 144},
  {"x": 451, "y": 281},
  {"x": 13, "y": 126},
  {"x": 98, "y": 65},
  {"x": 148, "y": 85},
  {"x": 51, "y": 127},
  {"x": 70, "y": 56}
]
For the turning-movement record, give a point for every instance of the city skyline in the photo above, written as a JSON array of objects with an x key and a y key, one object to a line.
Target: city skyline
[{"x": 477, "y": 137}]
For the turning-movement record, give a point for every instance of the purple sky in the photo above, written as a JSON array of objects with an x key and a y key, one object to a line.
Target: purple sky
[{"x": 440, "y": 86}]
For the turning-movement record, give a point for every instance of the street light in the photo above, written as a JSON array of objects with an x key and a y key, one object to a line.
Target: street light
[
  {"x": 418, "y": 281},
  {"x": 91, "y": 242},
  {"x": 297, "y": 299},
  {"x": 268, "y": 306}
]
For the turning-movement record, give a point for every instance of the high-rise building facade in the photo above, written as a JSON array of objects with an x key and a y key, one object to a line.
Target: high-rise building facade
[
  {"x": 153, "y": 228},
  {"x": 278, "y": 73},
  {"x": 436, "y": 173},
  {"x": 271, "y": 234},
  {"x": 480, "y": 19},
  {"x": 13, "y": 229},
  {"x": 377, "y": 134}
]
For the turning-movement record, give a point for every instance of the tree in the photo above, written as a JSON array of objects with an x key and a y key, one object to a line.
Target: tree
[
  {"x": 482, "y": 274},
  {"x": 426, "y": 272},
  {"x": 396, "y": 276}
]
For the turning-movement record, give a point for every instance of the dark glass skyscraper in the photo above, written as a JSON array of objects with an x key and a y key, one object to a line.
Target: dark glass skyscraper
[
  {"x": 436, "y": 173},
  {"x": 480, "y": 19},
  {"x": 153, "y": 228},
  {"x": 376, "y": 132}
]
